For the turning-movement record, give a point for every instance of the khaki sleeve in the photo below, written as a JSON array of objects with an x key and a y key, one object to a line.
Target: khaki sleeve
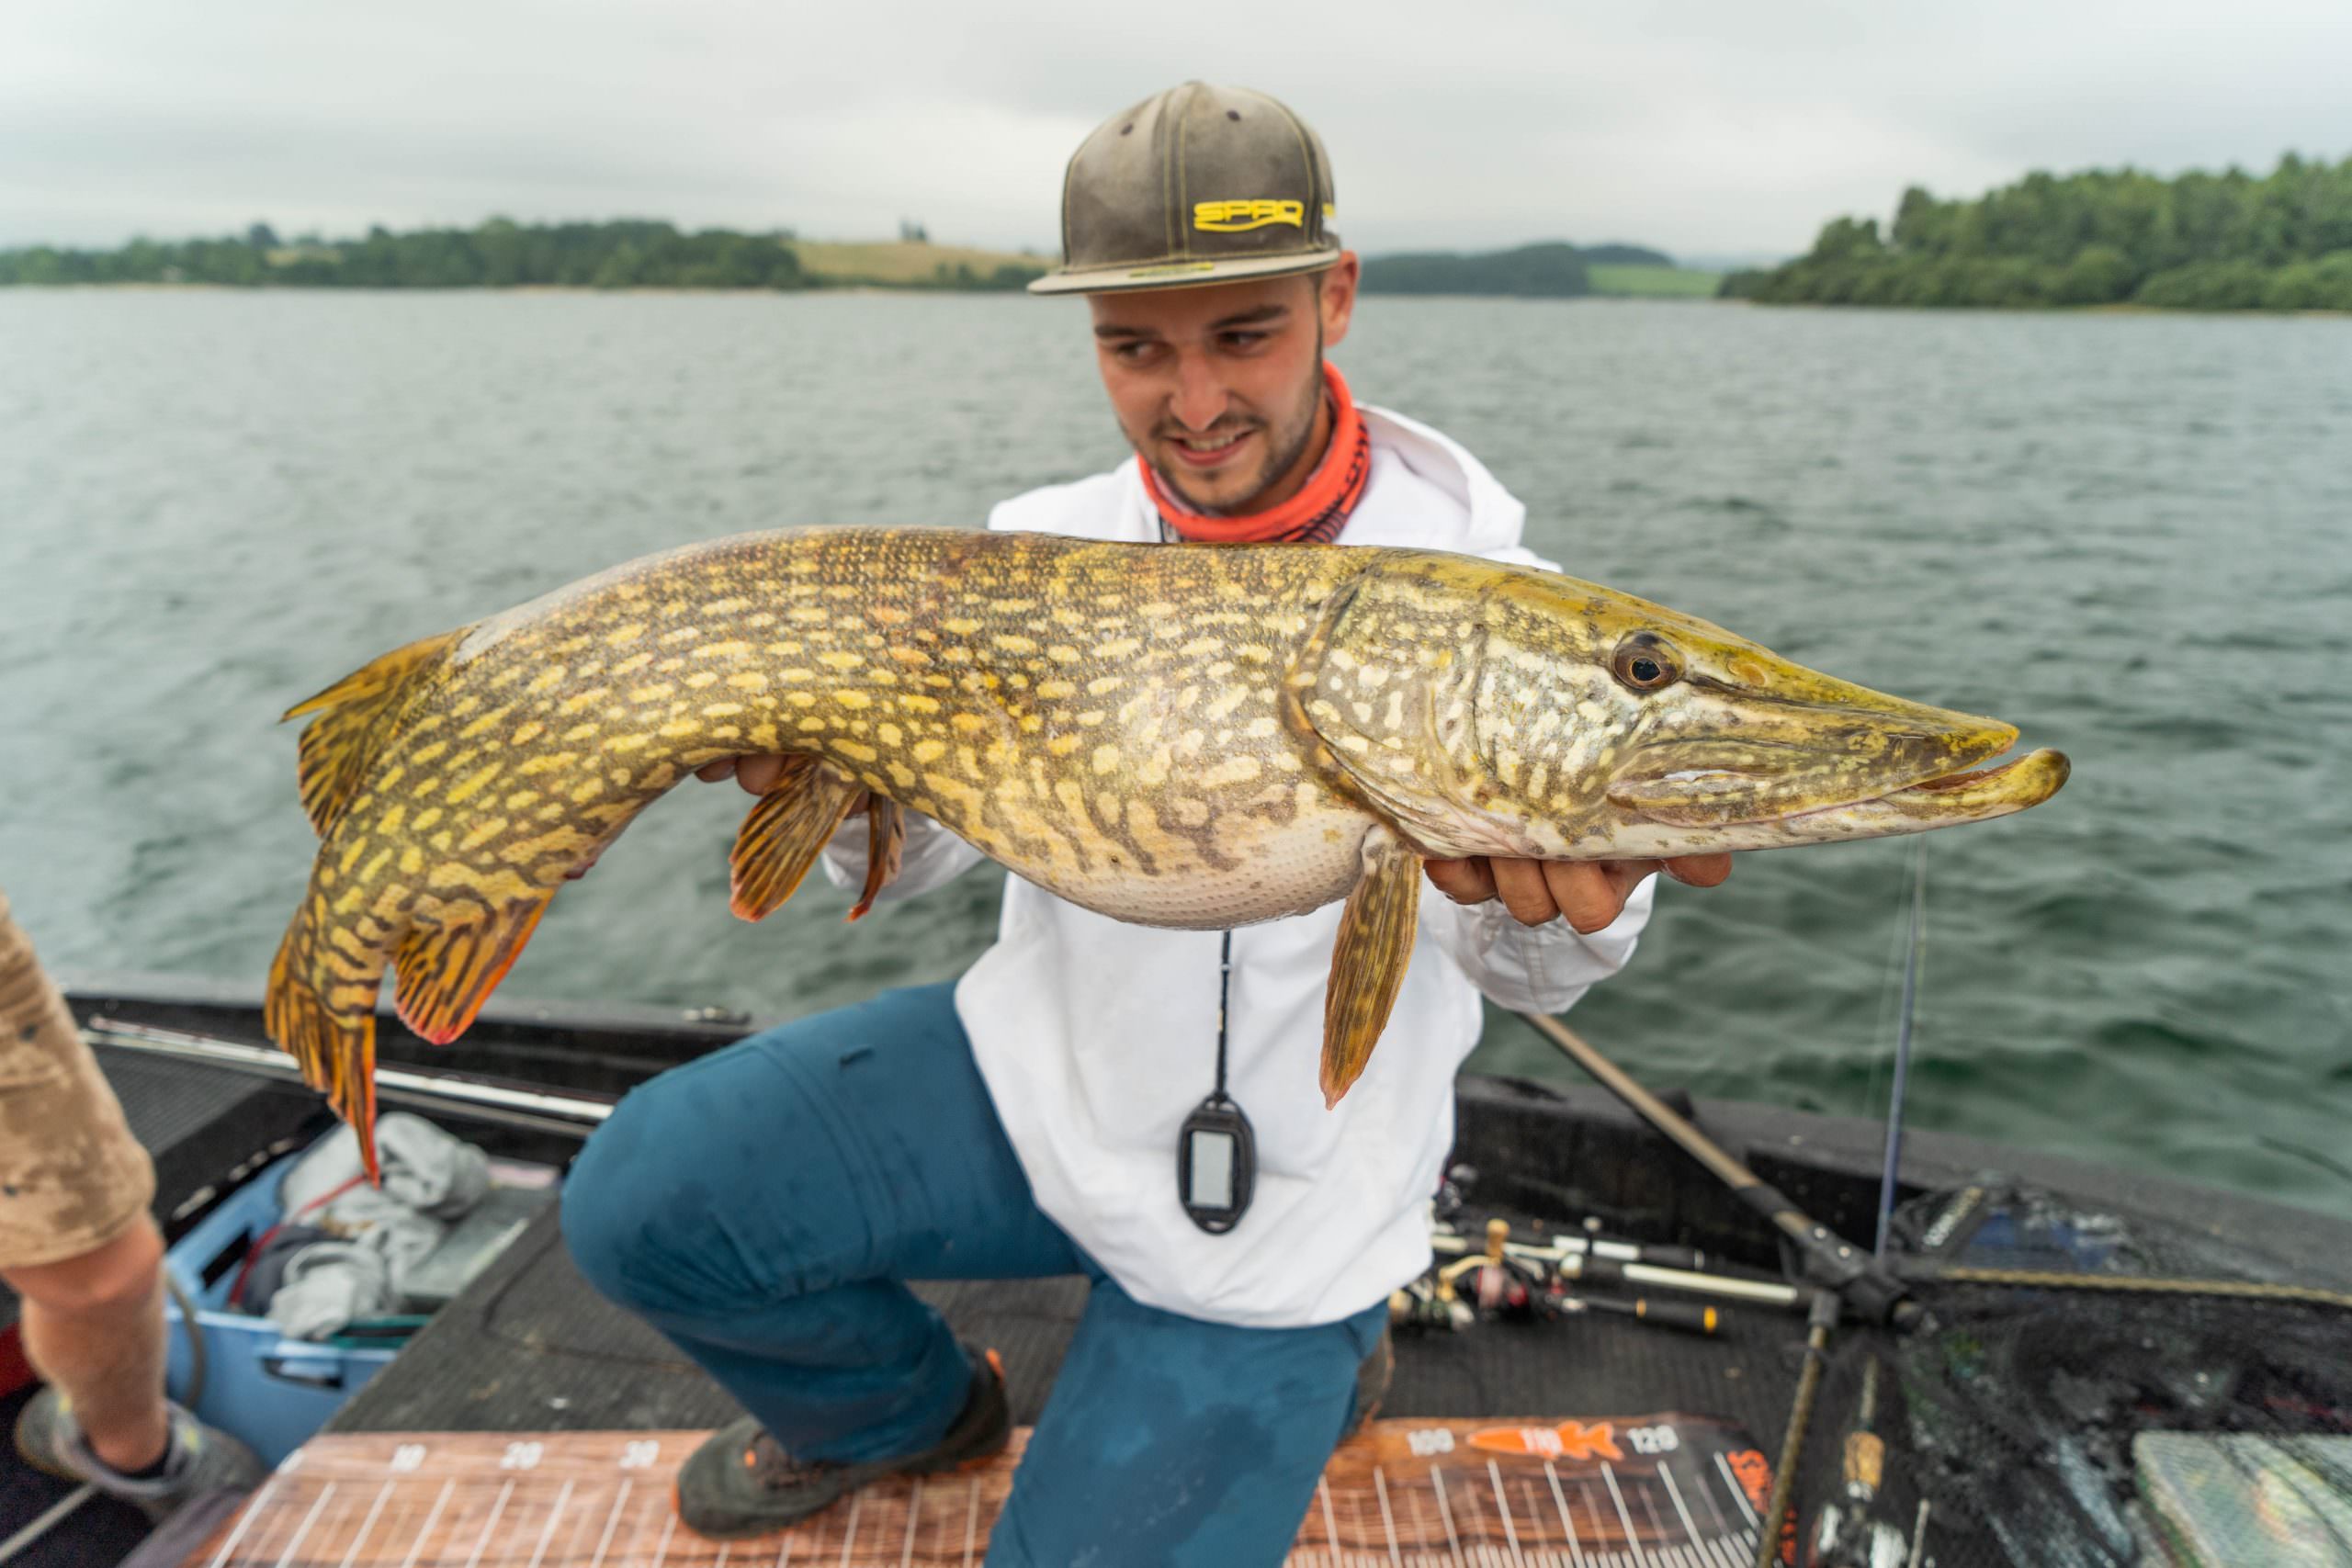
[{"x": 72, "y": 1177}]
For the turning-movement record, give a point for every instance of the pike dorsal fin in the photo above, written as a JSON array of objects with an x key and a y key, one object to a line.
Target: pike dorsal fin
[
  {"x": 779, "y": 840},
  {"x": 447, "y": 972},
  {"x": 886, "y": 842},
  {"x": 1368, "y": 961},
  {"x": 342, "y": 740}
]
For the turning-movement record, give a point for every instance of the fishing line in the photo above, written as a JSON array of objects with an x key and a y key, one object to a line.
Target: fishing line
[{"x": 1902, "y": 1045}]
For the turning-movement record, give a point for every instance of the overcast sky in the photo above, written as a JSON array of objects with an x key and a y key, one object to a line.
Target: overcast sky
[{"x": 1708, "y": 126}]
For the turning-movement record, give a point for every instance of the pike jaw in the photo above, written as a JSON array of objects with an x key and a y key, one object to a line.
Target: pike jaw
[{"x": 1580, "y": 724}]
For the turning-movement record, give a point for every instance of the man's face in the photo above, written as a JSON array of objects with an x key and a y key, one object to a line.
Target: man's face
[{"x": 1218, "y": 388}]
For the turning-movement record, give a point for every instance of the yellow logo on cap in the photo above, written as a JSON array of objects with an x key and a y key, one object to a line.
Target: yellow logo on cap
[{"x": 1233, "y": 217}]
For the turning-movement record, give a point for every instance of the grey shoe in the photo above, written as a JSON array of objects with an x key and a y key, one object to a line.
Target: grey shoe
[
  {"x": 741, "y": 1482},
  {"x": 203, "y": 1459}
]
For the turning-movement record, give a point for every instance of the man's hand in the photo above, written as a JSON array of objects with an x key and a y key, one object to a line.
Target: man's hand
[
  {"x": 757, "y": 775},
  {"x": 1587, "y": 893}
]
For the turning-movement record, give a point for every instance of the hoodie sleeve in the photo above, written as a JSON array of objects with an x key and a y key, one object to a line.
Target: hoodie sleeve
[{"x": 931, "y": 857}]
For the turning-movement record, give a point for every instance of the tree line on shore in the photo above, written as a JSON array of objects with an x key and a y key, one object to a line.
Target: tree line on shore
[
  {"x": 2204, "y": 242},
  {"x": 499, "y": 253},
  {"x": 1552, "y": 269}
]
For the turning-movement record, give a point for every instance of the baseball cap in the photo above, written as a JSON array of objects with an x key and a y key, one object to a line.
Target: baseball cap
[{"x": 1197, "y": 185}]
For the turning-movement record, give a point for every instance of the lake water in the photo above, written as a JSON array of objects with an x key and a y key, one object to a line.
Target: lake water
[{"x": 2130, "y": 535}]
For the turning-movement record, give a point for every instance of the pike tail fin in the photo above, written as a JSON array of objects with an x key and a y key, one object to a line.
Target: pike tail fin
[
  {"x": 342, "y": 742},
  {"x": 331, "y": 1032}
]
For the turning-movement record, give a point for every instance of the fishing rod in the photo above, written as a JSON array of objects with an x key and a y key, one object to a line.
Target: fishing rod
[
  {"x": 1860, "y": 1281},
  {"x": 1575, "y": 1259}
]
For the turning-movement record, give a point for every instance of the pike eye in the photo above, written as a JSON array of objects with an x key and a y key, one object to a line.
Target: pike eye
[{"x": 1643, "y": 663}]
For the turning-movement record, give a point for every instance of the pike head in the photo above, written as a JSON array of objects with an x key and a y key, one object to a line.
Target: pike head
[{"x": 1498, "y": 710}]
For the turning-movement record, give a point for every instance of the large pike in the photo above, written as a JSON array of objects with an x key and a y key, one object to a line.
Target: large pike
[{"x": 1192, "y": 735}]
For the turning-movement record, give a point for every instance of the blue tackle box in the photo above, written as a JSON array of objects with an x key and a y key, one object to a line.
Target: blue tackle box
[{"x": 259, "y": 1385}]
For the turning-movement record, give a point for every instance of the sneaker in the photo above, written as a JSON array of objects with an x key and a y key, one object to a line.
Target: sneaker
[
  {"x": 741, "y": 1482},
  {"x": 203, "y": 1459}
]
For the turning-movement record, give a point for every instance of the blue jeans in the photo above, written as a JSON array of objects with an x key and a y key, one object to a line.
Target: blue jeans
[{"x": 764, "y": 1206}]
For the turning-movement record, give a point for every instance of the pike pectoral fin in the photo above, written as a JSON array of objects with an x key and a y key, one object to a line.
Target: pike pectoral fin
[
  {"x": 1368, "y": 961},
  {"x": 780, "y": 839},
  {"x": 445, "y": 973},
  {"x": 886, "y": 842}
]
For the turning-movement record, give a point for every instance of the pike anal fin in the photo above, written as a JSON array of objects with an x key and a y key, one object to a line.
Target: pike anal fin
[
  {"x": 885, "y": 843},
  {"x": 779, "y": 840},
  {"x": 1368, "y": 961},
  {"x": 445, "y": 973}
]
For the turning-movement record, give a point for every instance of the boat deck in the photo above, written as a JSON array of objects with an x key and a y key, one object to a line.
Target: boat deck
[{"x": 530, "y": 1347}]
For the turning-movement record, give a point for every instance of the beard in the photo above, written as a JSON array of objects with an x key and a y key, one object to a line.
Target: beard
[{"x": 1287, "y": 439}]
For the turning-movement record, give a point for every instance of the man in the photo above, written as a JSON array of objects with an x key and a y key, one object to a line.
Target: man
[
  {"x": 79, "y": 1248},
  {"x": 764, "y": 1206}
]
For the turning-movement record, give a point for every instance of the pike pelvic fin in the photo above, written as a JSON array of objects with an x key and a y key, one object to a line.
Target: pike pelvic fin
[
  {"x": 445, "y": 973},
  {"x": 885, "y": 843},
  {"x": 338, "y": 748},
  {"x": 337, "y": 1053},
  {"x": 1368, "y": 960},
  {"x": 779, "y": 840}
]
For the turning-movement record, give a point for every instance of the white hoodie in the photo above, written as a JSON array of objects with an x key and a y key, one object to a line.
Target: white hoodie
[{"x": 1098, "y": 1038}]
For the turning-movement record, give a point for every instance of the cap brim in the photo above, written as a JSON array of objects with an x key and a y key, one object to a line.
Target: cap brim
[{"x": 1197, "y": 274}]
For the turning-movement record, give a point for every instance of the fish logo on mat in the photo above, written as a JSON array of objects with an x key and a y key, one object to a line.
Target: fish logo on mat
[{"x": 1570, "y": 1439}]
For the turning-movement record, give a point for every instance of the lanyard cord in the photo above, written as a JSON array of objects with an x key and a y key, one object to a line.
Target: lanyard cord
[{"x": 1224, "y": 989}]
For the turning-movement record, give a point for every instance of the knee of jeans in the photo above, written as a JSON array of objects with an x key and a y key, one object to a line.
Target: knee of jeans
[{"x": 661, "y": 1212}]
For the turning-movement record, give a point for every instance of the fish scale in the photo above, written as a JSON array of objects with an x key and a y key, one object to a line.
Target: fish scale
[{"x": 1188, "y": 736}]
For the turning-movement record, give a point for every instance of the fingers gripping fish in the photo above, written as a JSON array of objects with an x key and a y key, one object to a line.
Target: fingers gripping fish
[{"x": 1194, "y": 738}]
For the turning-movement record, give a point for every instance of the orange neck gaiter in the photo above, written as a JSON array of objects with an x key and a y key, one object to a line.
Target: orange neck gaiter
[{"x": 1314, "y": 516}]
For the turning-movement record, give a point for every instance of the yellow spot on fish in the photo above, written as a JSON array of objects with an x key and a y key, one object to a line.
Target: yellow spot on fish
[
  {"x": 838, "y": 659},
  {"x": 1118, "y": 647},
  {"x": 1102, "y": 685},
  {"x": 746, "y": 681},
  {"x": 653, "y": 693},
  {"x": 1050, "y": 689},
  {"x": 929, "y": 751},
  {"x": 1106, "y": 759},
  {"x": 1013, "y": 642},
  {"x": 633, "y": 663},
  {"x": 730, "y": 650},
  {"x": 474, "y": 782},
  {"x": 722, "y": 710},
  {"x": 621, "y": 637},
  {"x": 1232, "y": 770},
  {"x": 855, "y": 752}
]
